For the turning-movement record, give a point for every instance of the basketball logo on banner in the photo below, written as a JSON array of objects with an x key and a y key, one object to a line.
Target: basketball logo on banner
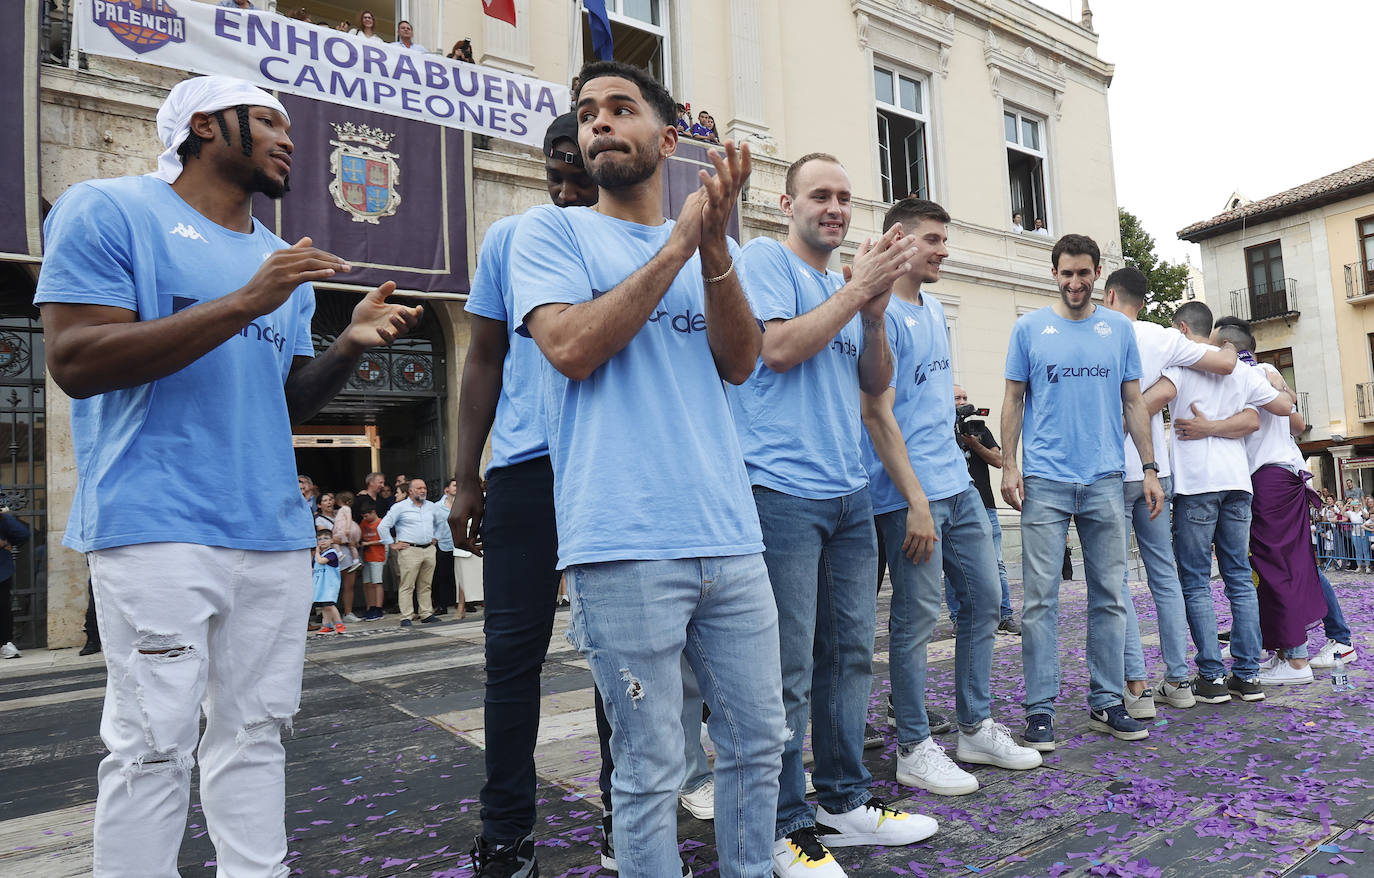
[
  {"x": 365, "y": 173},
  {"x": 142, "y": 25}
]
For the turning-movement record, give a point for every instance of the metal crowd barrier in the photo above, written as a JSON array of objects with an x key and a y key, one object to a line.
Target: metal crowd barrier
[{"x": 1341, "y": 545}]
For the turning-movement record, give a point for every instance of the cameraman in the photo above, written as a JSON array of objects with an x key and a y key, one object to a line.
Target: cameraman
[{"x": 980, "y": 452}]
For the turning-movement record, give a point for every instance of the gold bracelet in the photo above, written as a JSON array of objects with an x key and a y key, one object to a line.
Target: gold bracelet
[{"x": 716, "y": 280}]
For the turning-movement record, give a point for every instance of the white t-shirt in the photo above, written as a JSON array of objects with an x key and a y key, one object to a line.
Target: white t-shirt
[
  {"x": 1160, "y": 348},
  {"x": 1202, "y": 466},
  {"x": 1273, "y": 441}
]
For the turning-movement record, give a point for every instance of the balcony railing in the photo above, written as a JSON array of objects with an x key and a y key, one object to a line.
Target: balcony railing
[
  {"x": 1359, "y": 279},
  {"x": 56, "y": 34},
  {"x": 1265, "y": 301},
  {"x": 1364, "y": 400}
]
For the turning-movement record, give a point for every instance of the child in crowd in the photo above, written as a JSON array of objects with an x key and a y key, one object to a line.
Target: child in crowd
[
  {"x": 327, "y": 582},
  {"x": 374, "y": 559}
]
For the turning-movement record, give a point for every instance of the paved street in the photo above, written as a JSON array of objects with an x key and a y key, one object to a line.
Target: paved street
[{"x": 386, "y": 762}]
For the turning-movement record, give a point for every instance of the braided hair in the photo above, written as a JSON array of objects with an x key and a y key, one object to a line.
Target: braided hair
[{"x": 190, "y": 147}]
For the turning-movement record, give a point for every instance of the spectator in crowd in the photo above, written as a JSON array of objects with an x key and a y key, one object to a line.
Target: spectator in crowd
[
  {"x": 705, "y": 128},
  {"x": 345, "y": 25},
  {"x": 13, "y": 533},
  {"x": 462, "y": 51},
  {"x": 446, "y": 586},
  {"x": 367, "y": 27},
  {"x": 374, "y": 486},
  {"x": 981, "y": 451},
  {"x": 405, "y": 36},
  {"x": 1355, "y": 514},
  {"x": 348, "y": 538},
  {"x": 300, "y": 13},
  {"x": 309, "y": 492},
  {"x": 324, "y": 516},
  {"x": 1353, "y": 491},
  {"x": 1040, "y": 228},
  {"x": 417, "y": 522},
  {"x": 326, "y": 581},
  {"x": 373, "y": 555},
  {"x": 401, "y": 488},
  {"x": 1016, "y": 224},
  {"x": 237, "y": 4},
  {"x": 684, "y": 119}
]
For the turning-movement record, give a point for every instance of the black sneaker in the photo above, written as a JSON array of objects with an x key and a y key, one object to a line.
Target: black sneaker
[
  {"x": 938, "y": 722},
  {"x": 608, "y": 848},
  {"x": 1039, "y": 733},
  {"x": 1245, "y": 690},
  {"x": 432, "y": 617},
  {"x": 1211, "y": 691},
  {"x": 91, "y": 648},
  {"x": 1009, "y": 625},
  {"x": 1116, "y": 722},
  {"x": 513, "y": 860}
]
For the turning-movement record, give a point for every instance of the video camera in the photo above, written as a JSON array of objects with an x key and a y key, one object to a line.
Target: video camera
[{"x": 963, "y": 425}]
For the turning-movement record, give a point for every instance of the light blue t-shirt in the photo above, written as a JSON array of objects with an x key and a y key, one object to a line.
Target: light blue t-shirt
[
  {"x": 800, "y": 429},
  {"x": 923, "y": 404},
  {"x": 517, "y": 434},
  {"x": 1073, "y": 369},
  {"x": 645, "y": 459},
  {"x": 154, "y": 462}
]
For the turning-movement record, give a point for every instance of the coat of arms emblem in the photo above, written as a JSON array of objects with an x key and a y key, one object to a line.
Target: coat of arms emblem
[{"x": 365, "y": 174}]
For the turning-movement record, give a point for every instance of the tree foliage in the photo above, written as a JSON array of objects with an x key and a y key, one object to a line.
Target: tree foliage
[{"x": 1167, "y": 280}]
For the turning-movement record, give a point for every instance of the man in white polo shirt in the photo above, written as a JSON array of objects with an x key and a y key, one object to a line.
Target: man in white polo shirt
[{"x": 1212, "y": 507}]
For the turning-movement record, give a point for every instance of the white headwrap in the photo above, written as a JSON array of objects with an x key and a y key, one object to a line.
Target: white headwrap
[{"x": 203, "y": 94}]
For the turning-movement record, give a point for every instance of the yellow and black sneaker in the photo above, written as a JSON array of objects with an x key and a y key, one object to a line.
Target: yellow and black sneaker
[{"x": 801, "y": 855}]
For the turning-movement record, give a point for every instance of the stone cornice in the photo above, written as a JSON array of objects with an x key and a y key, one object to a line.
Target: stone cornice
[{"x": 917, "y": 20}]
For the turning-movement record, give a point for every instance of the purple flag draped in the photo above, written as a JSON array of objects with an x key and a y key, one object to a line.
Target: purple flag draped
[
  {"x": 19, "y": 135},
  {"x": 1290, "y": 595},
  {"x": 387, "y": 194}
]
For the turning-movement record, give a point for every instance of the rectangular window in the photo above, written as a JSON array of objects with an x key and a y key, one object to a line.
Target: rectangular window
[
  {"x": 903, "y": 117},
  {"x": 1281, "y": 359},
  {"x": 1267, "y": 289},
  {"x": 640, "y": 31},
  {"x": 1026, "y": 169}
]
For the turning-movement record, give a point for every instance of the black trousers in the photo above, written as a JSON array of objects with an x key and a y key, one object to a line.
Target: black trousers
[{"x": 520, "y": 576}]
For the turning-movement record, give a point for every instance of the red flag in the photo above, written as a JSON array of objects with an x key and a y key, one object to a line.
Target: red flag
[{"x": 502, "y": 9}]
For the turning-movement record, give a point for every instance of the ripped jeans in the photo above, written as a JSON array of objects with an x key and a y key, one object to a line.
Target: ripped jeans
[
  {"x": 633, "y": 621},
  {"x": 186, "y": 627}
]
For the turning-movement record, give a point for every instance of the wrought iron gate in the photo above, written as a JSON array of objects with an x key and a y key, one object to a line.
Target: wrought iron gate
[{"x": 23, "y": 466}]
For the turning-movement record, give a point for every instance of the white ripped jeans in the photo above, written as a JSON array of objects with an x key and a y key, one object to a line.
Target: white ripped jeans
[{"x": 186, "y": 628}]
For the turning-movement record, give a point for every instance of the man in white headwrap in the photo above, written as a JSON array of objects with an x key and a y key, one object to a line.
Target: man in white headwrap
[{"x": 181, "y": 328}]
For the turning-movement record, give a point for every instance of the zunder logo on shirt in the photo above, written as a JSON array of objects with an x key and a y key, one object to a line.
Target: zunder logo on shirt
[{"x": 1054, "y": 372}]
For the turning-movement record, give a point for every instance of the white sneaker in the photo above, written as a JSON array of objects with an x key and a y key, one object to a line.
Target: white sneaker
[
  {"x": 801, "y": 855},
  {"x": 1326, "y": 658},
  {"x": 873, "y": 822},
  {"x": 1140, "y": 706},
  {"x": 701, "y": 802},
  {"x": 9, "y": 650},
  {"x": 1284, "y": 674},
  {"x": 1270, "y": 663},
  {"x": 349, "y": 617},
  {"x": 992, "y": 744},
  {"x": 928, "y": 766},
  {"x": 1175, "y": 694}
]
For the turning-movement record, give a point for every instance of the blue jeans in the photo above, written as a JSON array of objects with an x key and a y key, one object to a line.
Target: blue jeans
[
  {"x": 1155, "y": 539},
  {"x": 633, "y": 620},
  {"x": 952, "y": 599},
  {"x": 698, "y": 766},
  {"x": 1098, "y": 512},
  {"x": 1334, "y": 623},
  {"x": 964, "y": 552},
  {"x": 822, "y": 558},
  {"x": 1220, "y": 519}
]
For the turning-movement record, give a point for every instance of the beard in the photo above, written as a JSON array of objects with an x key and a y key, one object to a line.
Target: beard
[
  {"x": 623, "y": 174},
  {"x": 273, "y": 189}
]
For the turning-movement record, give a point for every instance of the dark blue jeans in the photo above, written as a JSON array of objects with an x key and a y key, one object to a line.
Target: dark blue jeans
[{"x": 520, "y": 575}]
